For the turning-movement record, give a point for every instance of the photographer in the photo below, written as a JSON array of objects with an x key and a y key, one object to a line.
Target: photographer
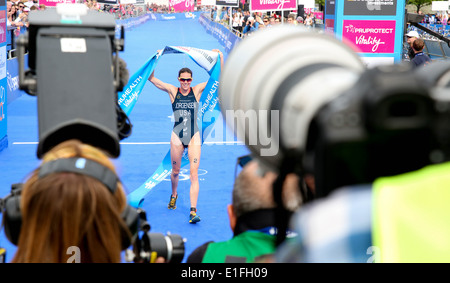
[
  {"x": 64, "y": 210},
  {"x": 252, "y": 219},
  {"x": 250, "y": 26},
  {"x": 374, "y": 140}
]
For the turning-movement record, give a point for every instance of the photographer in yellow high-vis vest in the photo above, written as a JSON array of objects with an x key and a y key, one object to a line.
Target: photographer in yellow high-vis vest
[
  {"x": 411, "y": 215},
  {"x": 383, "y": 196}
]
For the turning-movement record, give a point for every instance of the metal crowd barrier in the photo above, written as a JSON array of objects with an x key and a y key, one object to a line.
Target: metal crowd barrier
[{"x": 437, "y": 49}]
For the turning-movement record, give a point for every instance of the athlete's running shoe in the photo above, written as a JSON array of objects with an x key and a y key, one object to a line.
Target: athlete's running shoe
[
  {"x": 193, "y": 217},
  {"x": 173, "y": 202}
]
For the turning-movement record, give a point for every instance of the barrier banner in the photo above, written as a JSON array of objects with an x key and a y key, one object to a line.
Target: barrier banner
[
  {"x": 209, "y": 109},
  {"x": 53, "y": 3},
  {"x": 3, "y": 79},
  {"x": 221, "y": 33}
]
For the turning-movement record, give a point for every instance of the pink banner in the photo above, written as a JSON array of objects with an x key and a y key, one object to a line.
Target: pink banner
[
  {"x": 182, "y": 5},
  {"x": 273, "y": 5},
  {"x": 370, "y": 36},
  {"x": 52, "y": 3},
  {"x": 318, "y": 15},
  {"x": 3, "y": 29},
  {"x": 329, "y": 26}
]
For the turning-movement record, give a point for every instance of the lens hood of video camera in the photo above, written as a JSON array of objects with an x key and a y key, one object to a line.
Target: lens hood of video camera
[
  {"x": 171, "y": 247},
  {"x": 275, "y": 81}
]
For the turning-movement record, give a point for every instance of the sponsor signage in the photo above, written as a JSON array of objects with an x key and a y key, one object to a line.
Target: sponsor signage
[
  {"x": 273, "y": 5},
  {"x": 370, "y": 36}
]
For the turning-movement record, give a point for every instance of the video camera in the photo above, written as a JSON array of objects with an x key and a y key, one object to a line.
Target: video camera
[
  {"x": 318, "y": 110},
  {"x": 75, "y": 76}
]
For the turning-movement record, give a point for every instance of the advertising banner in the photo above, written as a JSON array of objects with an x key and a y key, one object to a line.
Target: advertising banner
[
  {"x": 370, "y": 36},
  {"x": 3, "y": 79},
  {"x": 3, "y": 30},
  {"x": 53, "y": 3},
  {"x": 3, "y": 112},
  {"x": 182, "y": 5},
  {"x": 373, "y": 27},
  {"x": 273, "y": 5}
]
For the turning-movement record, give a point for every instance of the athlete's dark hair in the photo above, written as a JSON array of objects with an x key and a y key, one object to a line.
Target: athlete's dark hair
[{"x": 184, "y": 70}]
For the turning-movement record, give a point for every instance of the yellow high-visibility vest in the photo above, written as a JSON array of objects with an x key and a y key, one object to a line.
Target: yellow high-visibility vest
[{"x": 411, "y": 216}]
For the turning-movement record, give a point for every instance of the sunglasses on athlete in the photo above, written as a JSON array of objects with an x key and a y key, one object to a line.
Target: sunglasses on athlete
[{"x": 185, "y": 79}]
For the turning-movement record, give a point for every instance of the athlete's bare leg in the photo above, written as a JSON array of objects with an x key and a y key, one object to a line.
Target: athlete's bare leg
[
  {"x": 176, "y": 153},
  {"x": 194, "y": 151}
]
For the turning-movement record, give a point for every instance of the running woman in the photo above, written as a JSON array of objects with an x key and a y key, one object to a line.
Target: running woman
[{"x": 185, "y": 133}]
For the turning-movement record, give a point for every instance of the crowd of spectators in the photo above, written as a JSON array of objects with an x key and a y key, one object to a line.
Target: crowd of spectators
[
  {"x": 18, "y": 11},
  {"x": 243, "y": 23},
  {"x": 438, "y": 18}
]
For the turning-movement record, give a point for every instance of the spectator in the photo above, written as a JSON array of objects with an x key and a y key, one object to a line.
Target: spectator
[
  {"x": 22, "y": 19},
  {"x": 12, "y": 14},
  {"x": 252, "y": 219},
  {"x": 245, "y": 20},
  {"x": 21, "y": 7},
  {"x": 291, "y": 19},
  {"x": 259, "y": 20},
  {"x": 410, "y": 37},
  {"x": 308, "y": 21},
  {"x": 237, "y": 22},
  {"x": 266, "y": 21},
  {"x": 420, "y": 58},
  {"x": 272, "y": 21},
  {"x": 250, "y": 26}
]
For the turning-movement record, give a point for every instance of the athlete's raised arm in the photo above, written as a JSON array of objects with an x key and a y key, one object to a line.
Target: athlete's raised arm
[{"x": 170, "y": 89}]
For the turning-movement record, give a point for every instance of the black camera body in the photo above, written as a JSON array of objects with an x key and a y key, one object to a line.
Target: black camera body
[
  {"x": 387, "y": 124},
  {"x": 75, "y": 75}
]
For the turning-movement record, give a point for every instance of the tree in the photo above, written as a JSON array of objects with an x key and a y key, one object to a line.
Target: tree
[{"x": 420, "y": 3}]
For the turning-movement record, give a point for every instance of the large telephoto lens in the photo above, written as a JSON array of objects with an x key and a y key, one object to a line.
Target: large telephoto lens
[{"x": 275, "y": 80}]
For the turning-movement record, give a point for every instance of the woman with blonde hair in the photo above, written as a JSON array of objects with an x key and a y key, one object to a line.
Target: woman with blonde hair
[{"x": 64, "y": 212}]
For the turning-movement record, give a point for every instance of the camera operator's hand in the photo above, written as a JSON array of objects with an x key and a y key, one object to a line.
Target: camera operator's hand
[{"x": 160, "y": 260}]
